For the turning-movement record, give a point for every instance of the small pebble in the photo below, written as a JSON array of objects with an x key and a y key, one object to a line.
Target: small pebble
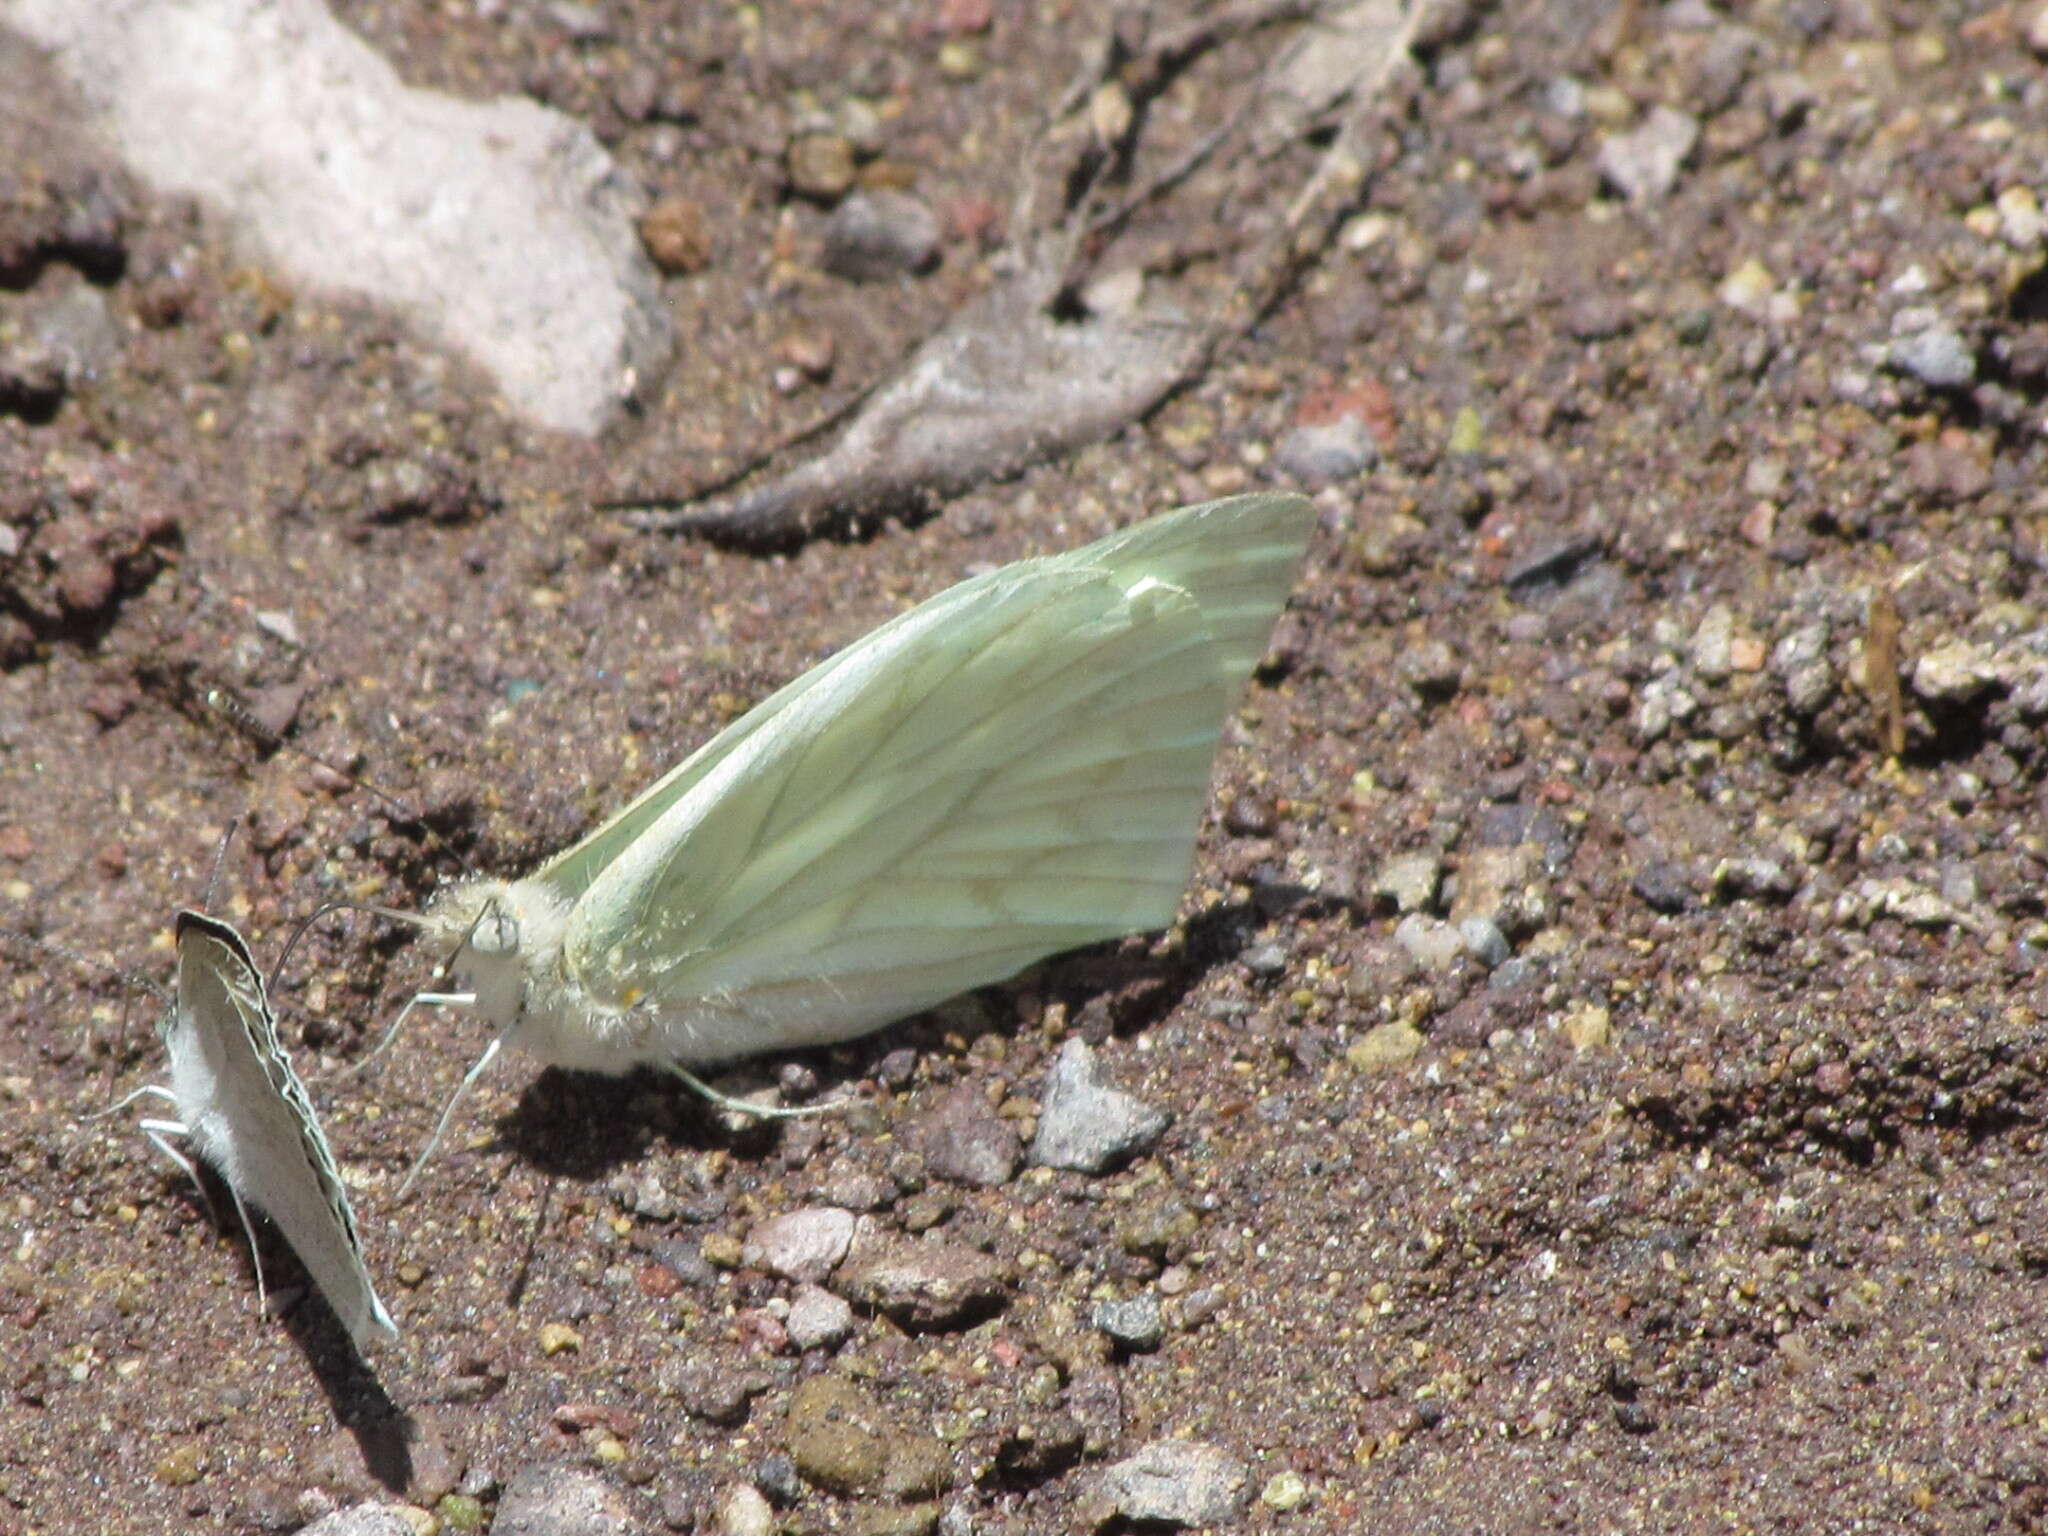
[
  {"x": 1385, "y": 1046},
  {"x": 1284, "y": 1491},
  {"x": 744, "y": 1511},
  {"x": 677, "y": 234},
  {"x": 1484, "y": 940},
  {"x": 1643, "y": 164},
  {"x": 821, "y": 165},
  {"x": 1588, "y": 1027},
  {"x": 1937, "y": 356},
  {"x": 1265, "y": 959},
  {"x": 776, "y": 1476},
  {"x": 1410, "y": 880},
  {"x": 1431, "y": 943},
  {"x": 363, "y": 1520},
  {"x": 926, "y": 1284},
  {"x": 966, "y": 1142},
  {"x": 1136, "y": 1324},
  {"x": 1086, "y": 1125},
  {"x": 1172, "y": 1482},
  {"x": 800, "y": 1245},
  {"x": 877, "y": 236},
  {"x": 818, "y": 1319}
]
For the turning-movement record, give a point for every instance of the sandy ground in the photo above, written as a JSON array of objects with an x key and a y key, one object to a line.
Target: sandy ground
[{"x": 1688, "y": 631}]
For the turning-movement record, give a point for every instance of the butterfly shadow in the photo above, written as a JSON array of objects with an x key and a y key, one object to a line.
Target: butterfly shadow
[
  {"x": 1117, "y": 990},
  {"x": 584, "y": 1126},
  {"x": 383, "y": 1431}
]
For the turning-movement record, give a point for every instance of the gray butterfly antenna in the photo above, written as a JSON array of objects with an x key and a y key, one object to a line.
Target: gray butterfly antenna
[
  {"x": 134, "y": 980},
  {"x": 239, "y": 715}
]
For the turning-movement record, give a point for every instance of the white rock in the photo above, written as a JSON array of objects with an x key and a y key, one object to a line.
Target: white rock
[
  {"x": 1431, "y": 943},
  {"x": 744, "y": 1511},
  {"x": 801, "y": 1245},
  {"x": 502, "y": 228},
  {"x": 817, "y": 1319}
]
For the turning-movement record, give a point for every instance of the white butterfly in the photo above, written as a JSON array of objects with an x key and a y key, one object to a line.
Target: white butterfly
[
  {"x": 1013, "y": 768},
  {"x": 244, "y": 1111}
]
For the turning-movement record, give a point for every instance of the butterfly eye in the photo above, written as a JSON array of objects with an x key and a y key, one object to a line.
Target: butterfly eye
[{"x": 497, "y": 933}]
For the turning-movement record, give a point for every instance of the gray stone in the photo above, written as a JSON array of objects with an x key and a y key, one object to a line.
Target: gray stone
[
  {"x": 800, "y": 1245},
  {"x": 73, "y": 329},
  {"x": 1136, "y": 1323},
  {"x": 1431, "y": 943},
  {"x": 1643, "y": 164},
  {"x": 1265, "y": 959},
  {"x": 1484, "y": 940},
  {"x": 550, "y": 1500},
  {"x": 1086, "y": 1125},
  {"x": 501, "y": 227},
  {"x": 818, "y": 1319},
  {"x": 1937, "y": 356},
  {"x": 360, "y": 1520},
  {"x": 1173, "y": 1482},
  {"x": 875, "y": 236},
  {"x": 1801, "y": 659},
  {"x": 1324, "y": 452},
  {"x": 716, "y": 1386},
  {"x": 1713, "y": 643}
]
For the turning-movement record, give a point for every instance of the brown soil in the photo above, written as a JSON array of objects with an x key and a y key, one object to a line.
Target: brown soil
[{"x": 1719, "y": 1207}]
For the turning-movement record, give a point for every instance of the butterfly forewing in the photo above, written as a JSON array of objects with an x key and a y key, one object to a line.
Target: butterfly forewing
[
  {"x": 250, "y": 1116},
  {"x": 928, "y": 819}
]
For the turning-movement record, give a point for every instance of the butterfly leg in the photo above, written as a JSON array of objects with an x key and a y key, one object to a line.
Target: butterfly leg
[
  {"x": 255, "y": 1254},
  {"x": 441, "y": 1126},
  {"x": 417, "y": 1000},
  {"x": 146, "y": 1091},
  {"x": 726, "y": 1101},
  {"x": 155, "y": 1132}
]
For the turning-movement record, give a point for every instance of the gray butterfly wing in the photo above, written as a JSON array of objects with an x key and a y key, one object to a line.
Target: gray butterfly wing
[{"x": 249, "y": 1116}]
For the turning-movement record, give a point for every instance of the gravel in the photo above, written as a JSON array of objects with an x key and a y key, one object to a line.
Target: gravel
[{"x": 1086, "y": 1125}]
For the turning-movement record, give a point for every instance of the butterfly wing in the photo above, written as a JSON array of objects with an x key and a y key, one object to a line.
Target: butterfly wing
[
  {"x": 1238, "y": 556},
  {"x": 249, "y": 1115},
  {"x": 1012, "y": 769}
]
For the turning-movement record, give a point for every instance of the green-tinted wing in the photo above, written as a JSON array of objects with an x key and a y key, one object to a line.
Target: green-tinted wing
[
  {"x": 1010, "y": 770},
  {"x": 1237, "y": 557}
]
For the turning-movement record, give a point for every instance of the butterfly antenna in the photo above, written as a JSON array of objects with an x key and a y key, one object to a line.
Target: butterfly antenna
[
  {"x": 220, "y": 858},
  {"x": 306, "y": 923},
  {"x": 223, "y": 703},
  {"x": 462, "y": 1089},
  {"x": 87, "y": 962}
]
